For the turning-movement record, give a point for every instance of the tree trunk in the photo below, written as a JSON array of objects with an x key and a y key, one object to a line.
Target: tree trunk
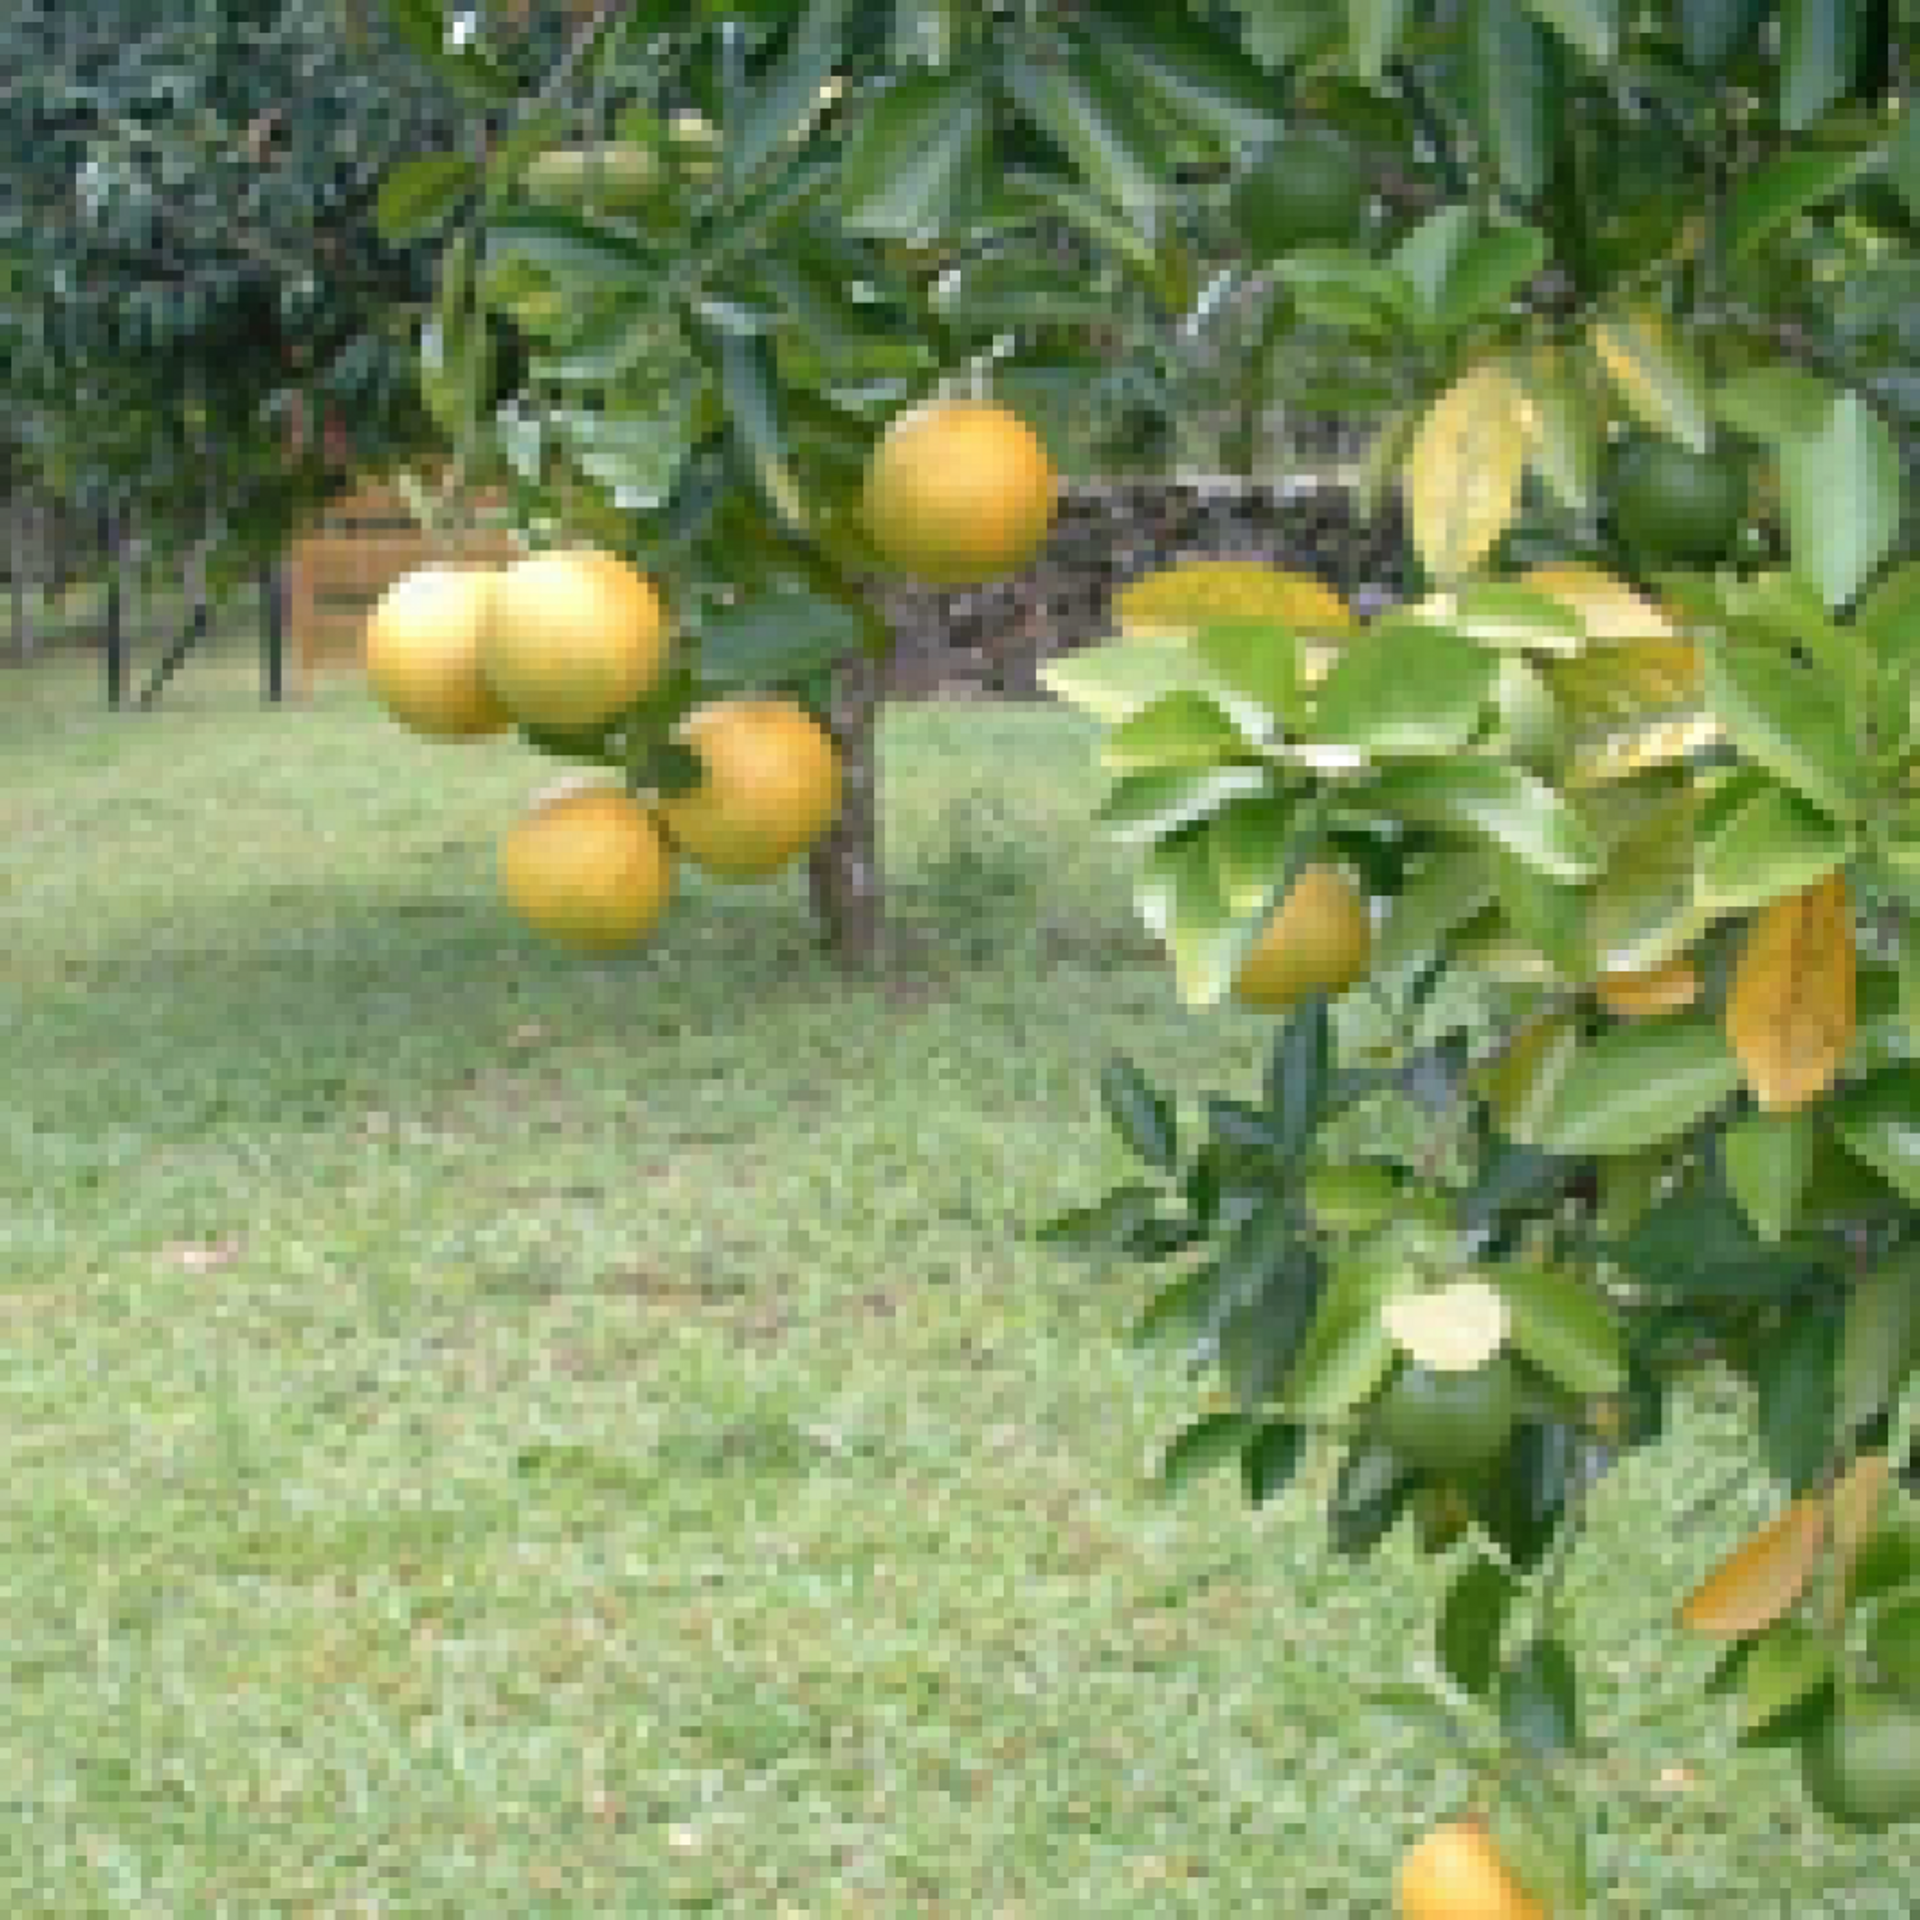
[
  {"x": 25, "y": 640},
  {"x": 843, "y": 870}
]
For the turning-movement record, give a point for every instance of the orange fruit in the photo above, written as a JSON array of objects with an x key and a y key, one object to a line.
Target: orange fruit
[
  {"x": 1454, "y": 1873},
  {"x": 1320, "y": 941},
  {"x": 588, "y": 866},
  {"x": 571, "y": 638},
  {"x": 769, "y": 787},
  {"x": 422, "y": 652},
  {"x": 958, "y": 491}
]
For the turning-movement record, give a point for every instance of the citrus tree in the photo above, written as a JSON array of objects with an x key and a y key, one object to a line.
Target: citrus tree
[{"x": 1587, "y": 883}]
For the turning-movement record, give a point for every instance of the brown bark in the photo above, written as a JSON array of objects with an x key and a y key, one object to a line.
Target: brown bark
[{"x": 843, "y": 870}]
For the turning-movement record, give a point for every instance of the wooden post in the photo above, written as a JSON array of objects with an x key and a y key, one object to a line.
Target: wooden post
[
  {"x": 273, "y": 650},
  {"x": 25, "y": 641},
  {"x": 113, "y": 549},
  {"x": 843, "y": 870}
]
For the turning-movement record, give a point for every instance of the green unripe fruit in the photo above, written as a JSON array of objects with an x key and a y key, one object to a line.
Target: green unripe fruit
[
  {"x": 1676, "y": 508},
  {"x": 1861, "y": 1765},
  {"x": 1308, "y": 188},
  {"x": 615, "y": 175},
  {"x": 1448, "y": 1423}
]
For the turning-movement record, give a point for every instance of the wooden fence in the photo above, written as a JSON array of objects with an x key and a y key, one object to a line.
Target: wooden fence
[{"x": 363, "y": 545}]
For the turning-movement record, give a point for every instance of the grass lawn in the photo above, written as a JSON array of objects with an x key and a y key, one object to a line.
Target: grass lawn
[{"x": 494, "y": 1433}]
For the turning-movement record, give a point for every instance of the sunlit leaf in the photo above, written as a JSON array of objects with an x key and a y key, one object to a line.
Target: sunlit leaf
[
  {"x": 1763, "y": 1577},
  {"x": 1657, "y": 373},
  {"x": 1463, "y": 473}
]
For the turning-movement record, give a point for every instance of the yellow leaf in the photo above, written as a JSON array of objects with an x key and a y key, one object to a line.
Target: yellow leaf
[
  {"x": 1610, "y": 608},
  {"x": 1657, "y": 374},
  {"x": 1657, "y": 744},
  {"x": 1463, "y": 472},
  {"x": 1790, "y": 1015},
  {"x": 1660, "y": 990},
  {"x": 1756, "y": 1583},
  {"x": 1856, "y": 1505}
]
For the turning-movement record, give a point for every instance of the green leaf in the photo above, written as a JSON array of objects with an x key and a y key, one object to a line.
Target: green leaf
[
  {"x": 1788, "y": 718},
  {"x": 1593, "y": 26},
  {"x": 1517, "y": 91},
  {"x": 1077, "y": 102},
  {"x": 1369, "y": 1495},
  {"x": 786, "y": 99},
  {"x": 914, "y": 155},
  {"x": 1202, "y": 1444},
  {"x": 774, "y": 639},
  {"x": 1374, "y": 28},
  {"x": 1270, "y": 1458},
  {"x": 1540, "y": 1698},
  {"x": 1386, "y": 696},
  {"x": 1282, "y": 33},
  {"x": 470, "y": 70},
  {"x": 1841, "y": 490},
  {"x": 1642, "y": 912},
  {"x": 1444, "y": 894},
  {"x": 1563, "y": 432},
  {"x": 1774, "y": 403},
  {"x": 417, "y": 195},
  {"x": 1711, "y": 30},
  {"x": 1657, "y": 373},
  {"x": 1149, "y": 806},
  {"x": 1194, "y": 72},
  {"x": 1425, "y": 257},
  {"x": 1106, "y": 1224},
  {"x": 1776, "y": 193},
  {"x": 1179, "y": 896},
  {"x": 1903, "y": 158},
  {"x": 1262, "y": 1331},
  {"x": 1790, "y": 1662},
  {"x": 1347, "y": 1353},
  {"x": 1335, "y": 287},
  {"x": 1116, "y": 679},
  {"x": 1879, "y": 1340},
  {"x": 1262, "y": 662},
  {"x": 581, "y": 254},
  {"x": 1471, "y": 1618},
  {"x": 1768, "y": 1159},
  {"x": 1797, "y": 1381},
  {"x": 1142, "y": 1117},
  {"x": 1486, "y": 274},
  {"x": 1879, "y": 1121},
  {"x": 1819, "y": 46},
  {"x": 1535, "y": 1824},
  {"x": 1505, "y": 805},
  {"x": 1638, "y": 1084},
  {"x": 1564, "y": 1326},
  {"x": 749, "y": 385},
  {"x": 1774, "y": 843},
  {"x": 1248, "y": 843},
  {"x": 1179, "y": 730}
]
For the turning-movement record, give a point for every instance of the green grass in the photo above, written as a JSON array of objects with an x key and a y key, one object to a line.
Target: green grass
[{"x": 494, "y": 1433}]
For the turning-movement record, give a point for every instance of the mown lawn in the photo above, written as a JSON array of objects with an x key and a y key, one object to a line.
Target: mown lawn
[{"x": 493, "y": 1433}]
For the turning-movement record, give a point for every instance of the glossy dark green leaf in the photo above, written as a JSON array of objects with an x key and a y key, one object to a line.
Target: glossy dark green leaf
[
  {"x": 1903, "y": 159},
  {"x": 1298, "y": 1075},
  {"x": 1202, "y": 1444},
  {"x": 1374, "y": 28},
  {"x": 469, "y": 69},
  {"x": 1192, "y": 71},
  {"x": 1774, "y": 402},
  {"x": 914, "y": 155},
  {"x": 1520, "y": 1502},
  {"x": 1471, "y": 1618},
  {"x": 1270, "y": 1459},
  {"x": 1261, "y": 1336},
  {"x": 1712, "y": 30},
  {"x": 775, "y": 638},
  {"x": 1790, "y": 1663},
  {"x": 1540, "y": 1698},
  {"x": 1637, "y": 1085},
  {"x": 1819, "y": 47},
  {"x": 1879, "y": 1121},
  {"x": 1142, "y": 1116},
  {"x": 1879, "y": 1340},
  {"x": 783, "y": 101},
  {"x": 1773, "y": 842},
  {"x": 1796, "y": 1384},
  {"x": 1103, "y": 1224},
  {"x": 1517, "y": 90},
  {"x": 1369, "y": 1496},
  {"x": 1076, "y": 100},
  {"x": 1770, "y": 197}
]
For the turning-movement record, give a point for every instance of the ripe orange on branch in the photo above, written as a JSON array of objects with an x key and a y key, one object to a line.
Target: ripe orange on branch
[
  {"x": 571, "y": 638},
  {"x": 958, "y": 491},
  {"x": 588, "y": 866},
  {"x": 1455, "y": 1873},
  {"x": 422, "y": 653},
  {"x": 1320, "y": 941},
  {"x": 769, "y": 786}
]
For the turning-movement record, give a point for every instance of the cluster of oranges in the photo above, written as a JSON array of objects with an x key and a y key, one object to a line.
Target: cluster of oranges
[{"x": 569, "y": 640}]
